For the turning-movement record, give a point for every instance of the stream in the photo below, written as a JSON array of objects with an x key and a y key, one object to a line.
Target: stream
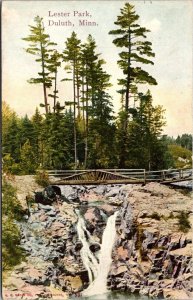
[
  {"x": 114, "y": 296},
  {"x": 97, "y": 270},
  {"x": 98, "y": 266}
]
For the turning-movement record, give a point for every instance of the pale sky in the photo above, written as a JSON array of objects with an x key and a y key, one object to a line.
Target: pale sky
[{"x": 171, "y": 28}]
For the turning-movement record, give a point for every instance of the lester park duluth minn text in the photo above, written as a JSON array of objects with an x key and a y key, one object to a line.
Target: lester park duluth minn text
[
  {"x": 78, "y": 14},
  {"x": 75, "y": 13}
]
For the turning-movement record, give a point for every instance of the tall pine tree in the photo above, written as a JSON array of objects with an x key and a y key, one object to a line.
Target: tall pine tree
[
  {"x": 94, "y": 82},
  {"x": 40, "y": 46},
  {"x": 37, "y": 122},
  {"x": 71, "y": 55},
  {"x": 54, "y": 63},
  {"x": 145, "y": 146},
  {"x": 136, "y": 51}
]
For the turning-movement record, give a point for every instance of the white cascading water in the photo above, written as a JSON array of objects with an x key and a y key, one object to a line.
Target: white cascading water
[
  {"x": 99, "y": 270},
  {"x": 88, "y": 258}
]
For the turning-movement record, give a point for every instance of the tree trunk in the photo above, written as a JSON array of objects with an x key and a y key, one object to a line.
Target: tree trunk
[
  {"x": 45, "y": 98},
  {"x": 128, "y": 82},
  {"x": 78, "y": 91},
  {"x": 125, "y": 121},
  {"x": 86, "y": 137},
  {"x": 55, "y": 89},
  {"x": 75, "y": 143},
  {"x": 83, "y": 107},
  {"x": 43, "y": 75}
]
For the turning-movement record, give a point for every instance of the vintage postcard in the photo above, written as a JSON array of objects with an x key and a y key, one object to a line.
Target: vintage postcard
[{"x": 97, "y": 150}]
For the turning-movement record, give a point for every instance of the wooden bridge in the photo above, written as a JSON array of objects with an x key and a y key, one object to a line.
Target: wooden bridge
[{"x": 118, "y": 176}]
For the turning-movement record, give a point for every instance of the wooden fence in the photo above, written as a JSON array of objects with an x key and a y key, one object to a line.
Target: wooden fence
[{"x": 98, "y": 176}]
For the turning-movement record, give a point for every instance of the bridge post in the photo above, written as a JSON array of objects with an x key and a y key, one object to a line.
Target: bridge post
[
  {"x": 144, "y": 176},
  {"x": 163, "y": 175}
]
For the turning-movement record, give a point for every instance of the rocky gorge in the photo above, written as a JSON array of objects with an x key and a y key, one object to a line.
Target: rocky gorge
[{"x": 151, "y": 253}]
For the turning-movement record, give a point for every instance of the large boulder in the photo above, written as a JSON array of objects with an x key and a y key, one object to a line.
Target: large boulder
[
  {"x": 70, "y": 193},
  {"x": 50, "y": 194}
]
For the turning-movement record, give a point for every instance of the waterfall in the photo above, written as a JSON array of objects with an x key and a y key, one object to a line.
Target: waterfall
[
  {"x": 99, "y": 270},
  {"x": 88, "y": 258}
]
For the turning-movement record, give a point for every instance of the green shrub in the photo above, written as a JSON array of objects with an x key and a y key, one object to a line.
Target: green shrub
[
  {"x": 10, "y": 166},
  {"x": 171, "y": 215},
  {"x": 12, "y": 254},
  {"x": 42, "y": 178},
  {"x": 183, "y": 222},
  {"x": 28, "y": 161},
  {"x": 155, "y": 216},
  {"x": 178, "y": 151},
  {"x": 11, "y": 206}
]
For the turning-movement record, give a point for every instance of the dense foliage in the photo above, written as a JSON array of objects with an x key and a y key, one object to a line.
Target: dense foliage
[
  {"x": 183, "y": 222},
  {"x": 182, "y": 157},
  {"x": 12, "y": 254},
  {"x": 185, "y": 141},
  {"x": 84, "y": 132}
]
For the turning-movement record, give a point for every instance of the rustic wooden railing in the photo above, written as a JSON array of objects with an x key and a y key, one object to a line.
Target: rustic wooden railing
[{"x": 107, "y": 176}]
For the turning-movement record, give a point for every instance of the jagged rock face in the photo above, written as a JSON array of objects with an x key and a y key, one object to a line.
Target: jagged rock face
[
  {"x": 50, "y": 235},
  {"x": 95, "y": 222},
  {"x": 50, "y": 239},
  {"x": 151, "y": 255}
]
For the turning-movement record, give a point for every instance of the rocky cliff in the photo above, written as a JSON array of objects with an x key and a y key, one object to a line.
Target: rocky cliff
[{"x": 152, "y": 252}]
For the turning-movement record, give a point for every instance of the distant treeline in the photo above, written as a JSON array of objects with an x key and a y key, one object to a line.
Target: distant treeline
[
  {"x": 47, "y": 142},
  {"x": 185, "y": 141}
]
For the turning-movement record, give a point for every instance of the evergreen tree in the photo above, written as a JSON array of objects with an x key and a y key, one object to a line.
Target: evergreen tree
[
  {"x": 122, "y": 140},
  {"x": 28, "y": 160},
  {"x": 39, "y": 45},
  {"x": 94, "y": 82},
  {"x": 53, "y": 64},
  {"x": 27, "y": 131},
  {"x": 12, "y": 142},
  {"x": 69, "y": 137},
  {"x": 57, "y": 134},
  {"x": 37, "y": 122},
  {"x": 136, "y": 51},
  {"x": 185, "y": 140},
  {"x": 102, "y": 153},
  {"x": 88, "y": 60},
  {"x": 72, "y": 55},
  {"x": 145, "y": 147},
  {"x": 131, "y": 36}
]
